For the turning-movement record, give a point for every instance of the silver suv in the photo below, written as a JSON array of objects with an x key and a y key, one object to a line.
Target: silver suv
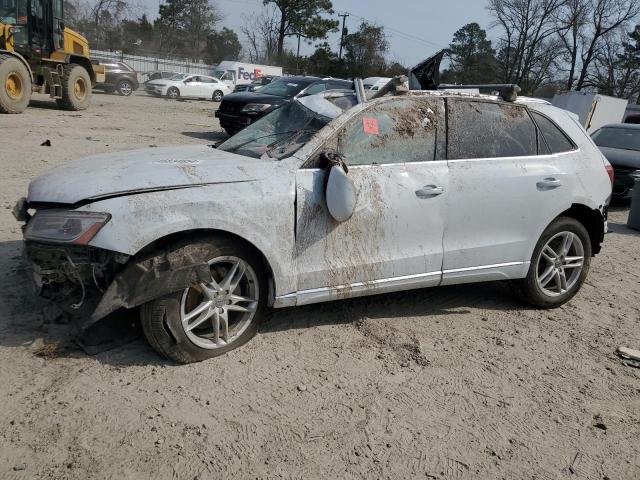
[{"x": 325, "y": 198}]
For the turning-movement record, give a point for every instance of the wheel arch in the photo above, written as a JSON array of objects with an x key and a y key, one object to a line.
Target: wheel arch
[
  {"x": 86, "y": 63},
  {"x": 21, "y": 59},
  {"x": 145, "y": 276},
  {"x": 593, "y": 221},
  {"x": 174, "y": 238}
]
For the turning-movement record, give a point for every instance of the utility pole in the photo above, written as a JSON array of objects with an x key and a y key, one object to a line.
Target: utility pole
[
  {"x": 298, "y": 56},
  {"x": 344, "y": 20}
]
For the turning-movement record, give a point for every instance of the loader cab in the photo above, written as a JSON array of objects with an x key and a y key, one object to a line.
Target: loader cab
[{"x": 38, "y": 26}]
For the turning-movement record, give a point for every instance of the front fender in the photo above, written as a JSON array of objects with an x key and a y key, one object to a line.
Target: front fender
[{"x": 261, "y": 215}]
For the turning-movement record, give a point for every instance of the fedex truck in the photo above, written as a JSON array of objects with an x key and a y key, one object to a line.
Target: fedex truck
[{"x": 240, "y": 73}]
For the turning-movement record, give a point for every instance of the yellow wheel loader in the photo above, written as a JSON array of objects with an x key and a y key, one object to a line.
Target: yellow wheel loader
[{"x": 39, "y": 54}]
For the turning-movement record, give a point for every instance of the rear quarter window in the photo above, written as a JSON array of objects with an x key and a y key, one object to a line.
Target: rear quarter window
[
  {"x": 555, "y": 138},
  {"x": 480, "y": 129}
]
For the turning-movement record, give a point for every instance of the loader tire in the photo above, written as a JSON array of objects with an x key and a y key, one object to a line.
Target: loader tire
[
  {"x": 15, "y": 85},
  {"x": 76, "y": 88}
]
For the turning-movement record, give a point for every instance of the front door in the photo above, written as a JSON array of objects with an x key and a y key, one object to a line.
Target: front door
[
  {"x": 503, "y": 192},
  {"x": 395, "y": 154},
  {"x": 192, "y": 87}
]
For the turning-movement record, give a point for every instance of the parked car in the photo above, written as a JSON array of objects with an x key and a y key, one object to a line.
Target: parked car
[
  {"x": 184, "y": 85},
  {"x": 620, "y": 143},
  {"x": 255, "y": 85},
  {"x": 119, "y": 77},
  {"x": 241, "y": 109},
  {"x": 157, "y": 75},
  {"x": 373, "y": 84},
  {"x": 321, "y": 199},
  {"x": 633, "y": 118}
]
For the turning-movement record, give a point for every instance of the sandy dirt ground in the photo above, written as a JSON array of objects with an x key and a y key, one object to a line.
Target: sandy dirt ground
[{"x": 448, "y": 383}]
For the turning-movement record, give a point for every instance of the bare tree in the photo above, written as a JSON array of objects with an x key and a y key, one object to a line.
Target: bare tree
[
  {"x": 573, "y": 20},
  {"x": 261, "y": 33},
  {"x": 528, "y": 27},
  {"x": 605, "y": 17},
  {"x": 616, "y": 67}
]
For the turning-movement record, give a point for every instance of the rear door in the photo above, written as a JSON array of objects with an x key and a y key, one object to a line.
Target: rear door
[
  {"x": 503, "y": 190},
  {"x": 395, "y": 154}
]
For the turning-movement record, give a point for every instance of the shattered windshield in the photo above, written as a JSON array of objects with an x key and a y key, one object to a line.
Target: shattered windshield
[{"x": 279, "y": 134}]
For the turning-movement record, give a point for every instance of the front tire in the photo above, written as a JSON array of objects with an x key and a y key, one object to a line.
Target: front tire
[
  {"x": 173, "y": 93},
  {"x": 76, "y": 88},
  {"x": 559, "y": 265},
  {"x": 217, "y": 96},
  {"x": 207, "y": 320},
  {"x": 15, "y": 85}
]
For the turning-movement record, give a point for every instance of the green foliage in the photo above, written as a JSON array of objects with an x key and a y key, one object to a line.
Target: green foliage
[
  {"x": 186, "y": 24},
  {"x": 304, "y": 18},
  {"x": 222, "y": 45},
  {"x": 472, "y": 56},
  {"x": 366, "y": 50}
]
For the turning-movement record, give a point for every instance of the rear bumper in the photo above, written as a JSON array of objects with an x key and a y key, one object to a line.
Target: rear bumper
[{"x": 623, "y": 183}]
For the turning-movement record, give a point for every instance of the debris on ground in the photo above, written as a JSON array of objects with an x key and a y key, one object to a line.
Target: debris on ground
[
  {"x": 629, "y": 356},
  {"x": 46, "y": 143}
]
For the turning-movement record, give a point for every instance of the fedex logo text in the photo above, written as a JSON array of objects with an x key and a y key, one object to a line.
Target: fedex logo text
[{"x": 246, "y": 75}]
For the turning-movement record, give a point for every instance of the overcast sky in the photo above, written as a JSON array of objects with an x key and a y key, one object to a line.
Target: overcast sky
[{"x": 415, "y": 28}]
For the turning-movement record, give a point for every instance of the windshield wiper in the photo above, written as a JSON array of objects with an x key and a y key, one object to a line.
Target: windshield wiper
[{"x": 235, "y": 149}]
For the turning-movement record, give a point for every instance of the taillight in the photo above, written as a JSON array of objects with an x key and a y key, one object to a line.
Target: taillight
[{"x": 609, "y": 169}]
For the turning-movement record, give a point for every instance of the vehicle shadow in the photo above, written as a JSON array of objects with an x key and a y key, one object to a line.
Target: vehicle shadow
[
  {"x": 209, "y": 136},
  {"x": 24, "y": 322},
  {"x": 44, "y": 104},
  {"x": 427, "y": 302},
  {"x": 622, "y": 229}
]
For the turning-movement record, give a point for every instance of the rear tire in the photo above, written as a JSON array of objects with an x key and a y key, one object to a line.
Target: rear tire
[
  {"x": 558, "y": 270},
  {"x": 217, "y": 96},
  {"x": 76, "y": 88},
  {"x": 125, "y": 88},
  {"x": 15, "y": 85},
  {"x": 173, "y": 92},
  {"x": 162, "y": 319}
]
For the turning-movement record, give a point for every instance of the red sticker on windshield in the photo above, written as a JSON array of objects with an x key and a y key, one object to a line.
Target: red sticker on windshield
[{"x": 370, "y": 126}]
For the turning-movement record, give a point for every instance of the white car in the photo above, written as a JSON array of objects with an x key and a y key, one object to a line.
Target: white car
[
  {"x": 184, "y": 85},
  {"x": 373, "y": 84},
  {"x": 322, "y": 199}
]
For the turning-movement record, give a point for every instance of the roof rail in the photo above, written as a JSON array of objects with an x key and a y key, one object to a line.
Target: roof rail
[{"x": 508, "y": 92}]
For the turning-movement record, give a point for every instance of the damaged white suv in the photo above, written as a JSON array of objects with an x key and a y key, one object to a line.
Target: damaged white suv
[{"x": 325, "y": 198}]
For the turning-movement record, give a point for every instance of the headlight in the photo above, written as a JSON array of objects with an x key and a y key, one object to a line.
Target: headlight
[
  {"x": 255, "y": 107},
  {"x": 63, "y": 226}
]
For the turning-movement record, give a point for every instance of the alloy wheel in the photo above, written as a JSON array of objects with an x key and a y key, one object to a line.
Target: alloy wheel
[
  {"x": 215, "y": 314},
  {"x": 560, "y": 264}
]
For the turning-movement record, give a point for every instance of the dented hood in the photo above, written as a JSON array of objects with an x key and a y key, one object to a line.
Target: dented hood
[{"x": 135, "y": 171}]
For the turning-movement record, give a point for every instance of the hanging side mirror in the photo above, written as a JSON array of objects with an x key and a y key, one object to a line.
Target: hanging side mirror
[{"x": 340, "y": 192}]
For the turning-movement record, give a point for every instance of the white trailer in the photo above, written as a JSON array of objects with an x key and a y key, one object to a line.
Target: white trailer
[
  {"x": 593, "y": 110},
  {"x": 240, "y": 73}
]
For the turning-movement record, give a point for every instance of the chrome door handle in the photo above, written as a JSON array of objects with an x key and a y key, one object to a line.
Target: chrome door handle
[
  {"x": 548, "y": 183},
  {"x": 429, "y": 191}
]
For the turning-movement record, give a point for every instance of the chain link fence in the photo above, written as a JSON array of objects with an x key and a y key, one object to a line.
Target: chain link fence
[{"x": 144, "y": 64}]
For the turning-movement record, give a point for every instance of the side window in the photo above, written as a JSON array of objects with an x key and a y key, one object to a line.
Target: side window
[
  {"x": 206, "y": 80},
  {"x": 489, "y": 130},
  {"x": 317, "y": 88},
  {"x": 397, "y": 131},
  {"x": 555, "y": 138}
]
